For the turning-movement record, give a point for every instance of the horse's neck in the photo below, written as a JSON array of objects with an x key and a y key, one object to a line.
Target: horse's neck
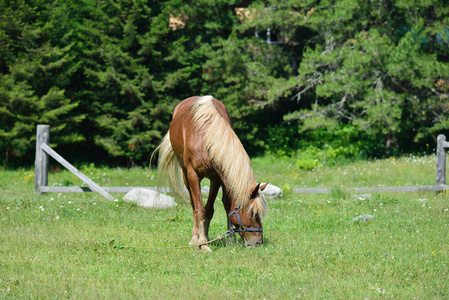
[{"x": 233, "y": 195}]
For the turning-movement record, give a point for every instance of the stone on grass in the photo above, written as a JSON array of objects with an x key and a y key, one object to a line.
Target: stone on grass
[
  {"x": 362, "y": 197},
  {"x": 204, "y": 190},
  {"x": 149, "y": 199},
  {"x": 272, "y": 191},
  {"x": 362, "y": 218}
]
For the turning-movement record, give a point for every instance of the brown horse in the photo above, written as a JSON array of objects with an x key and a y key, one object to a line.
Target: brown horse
[{"x": 201, "y": 143}]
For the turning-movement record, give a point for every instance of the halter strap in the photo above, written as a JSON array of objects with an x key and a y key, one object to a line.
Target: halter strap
[{"x": 241, "y": 228}]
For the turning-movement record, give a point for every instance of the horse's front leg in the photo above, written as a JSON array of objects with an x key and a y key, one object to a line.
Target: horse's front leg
[
  {"x": 199, "y": 211},
  {"x": 215, "y": 185},
  {"x": 227, "y": 206}
]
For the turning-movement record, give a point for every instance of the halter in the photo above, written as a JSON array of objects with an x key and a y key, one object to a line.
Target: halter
[{"x": 241, "y": 228}]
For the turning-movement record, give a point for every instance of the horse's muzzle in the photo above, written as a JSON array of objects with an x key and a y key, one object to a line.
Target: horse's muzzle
[{"x": 253, "y": 240}]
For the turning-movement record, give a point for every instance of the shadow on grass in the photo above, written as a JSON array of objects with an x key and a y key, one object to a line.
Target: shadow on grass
[
  {"x": 224, "y": 242},
  {"x": 234, "y": 242}
]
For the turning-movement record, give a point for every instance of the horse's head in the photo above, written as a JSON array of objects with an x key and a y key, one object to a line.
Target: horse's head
[{"x": 247, "y": 219}]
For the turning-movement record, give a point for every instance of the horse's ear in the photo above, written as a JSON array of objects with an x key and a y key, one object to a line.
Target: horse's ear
[
  {"x": 263, "y": 186},
  {"x": 254, "y": 191}
]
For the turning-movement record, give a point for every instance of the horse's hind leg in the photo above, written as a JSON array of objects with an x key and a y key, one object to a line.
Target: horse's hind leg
[
  {"x": 195, "y": 233},
  {"x": 215, "y": 185},
  {"x": 199, "y": 212}
]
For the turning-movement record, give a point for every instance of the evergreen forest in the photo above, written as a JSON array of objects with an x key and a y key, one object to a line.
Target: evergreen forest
[{"x": 354, "y": 78}]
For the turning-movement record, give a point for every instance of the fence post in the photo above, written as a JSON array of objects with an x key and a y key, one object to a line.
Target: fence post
[
  {"x": 41, "y": 162},
  {"x": 441, "y": 160}
]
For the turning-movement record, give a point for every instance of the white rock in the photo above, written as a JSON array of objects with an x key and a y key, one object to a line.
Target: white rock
[
  {"x": 204, "y": 190},
  {"x": 149, "y": 199},
  {"x": 362, "y": 197},
  {"x": 363, "y": 218},
  {"x": 272, "y": 191}
]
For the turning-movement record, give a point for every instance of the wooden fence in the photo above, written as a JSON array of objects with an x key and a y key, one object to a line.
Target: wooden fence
[
  {"x": 440, "y": 178},
  {"x": 43, "y": 150}
]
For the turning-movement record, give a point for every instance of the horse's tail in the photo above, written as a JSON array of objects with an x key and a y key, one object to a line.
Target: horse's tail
[{"x": 168, "y": 168}]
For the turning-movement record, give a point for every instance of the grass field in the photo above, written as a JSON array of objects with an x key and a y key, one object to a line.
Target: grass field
[{"x": 77, "y": 245}]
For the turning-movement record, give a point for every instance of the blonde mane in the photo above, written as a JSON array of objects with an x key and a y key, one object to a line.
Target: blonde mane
[{"x": 227, "y": 153}]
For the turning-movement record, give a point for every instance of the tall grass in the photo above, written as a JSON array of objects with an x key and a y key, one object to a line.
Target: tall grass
[{"x": 79, "y": 245}]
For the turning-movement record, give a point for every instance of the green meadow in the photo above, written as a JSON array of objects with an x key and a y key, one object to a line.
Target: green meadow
[{"x": 80, "y": 245}]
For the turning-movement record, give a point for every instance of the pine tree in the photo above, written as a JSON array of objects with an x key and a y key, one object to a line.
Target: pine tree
[{"x": 32, "y": 81}]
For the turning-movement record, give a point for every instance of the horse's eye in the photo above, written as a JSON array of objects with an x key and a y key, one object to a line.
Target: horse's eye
[{"x": 254, "y": 215}]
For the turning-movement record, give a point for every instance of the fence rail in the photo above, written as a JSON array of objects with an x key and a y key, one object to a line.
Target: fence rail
[
  {"x": 394, "y": 189},
  {"x": 110, "y": 189},
  {"x": 43, "y": 150}
]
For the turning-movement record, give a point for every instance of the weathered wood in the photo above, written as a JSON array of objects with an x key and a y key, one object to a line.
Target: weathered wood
[
  {"x": 441, "y": 159},
  {"x": 41, "y": 161},
  {"x": 65, "y": 189},
  {"x": 125, "y": 189},
  {"x": 111, "y": 189},
  {"x": 395, "y": 189},
  {"x": 43, "y": 150},
  {"x": 95, "y": 187},
  {"x": 311, "y": 190},
  {"x": 401, "y": 189}
]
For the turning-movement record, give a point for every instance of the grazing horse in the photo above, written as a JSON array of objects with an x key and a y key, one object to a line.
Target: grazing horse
[{"x": 201, "y": 143}]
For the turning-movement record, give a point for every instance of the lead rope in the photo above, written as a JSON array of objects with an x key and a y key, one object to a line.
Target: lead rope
[{"x": 227, "y": 233}]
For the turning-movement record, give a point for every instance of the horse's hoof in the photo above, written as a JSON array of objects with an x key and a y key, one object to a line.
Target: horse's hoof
[
  {"x": 193, "y": 242},
  {"x": 205, "y": 248}
]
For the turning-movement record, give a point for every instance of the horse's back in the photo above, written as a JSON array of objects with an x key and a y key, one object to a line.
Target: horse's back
[
  {"x": 184, "y": 108},
  {"x": 186, "y": 138}
]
